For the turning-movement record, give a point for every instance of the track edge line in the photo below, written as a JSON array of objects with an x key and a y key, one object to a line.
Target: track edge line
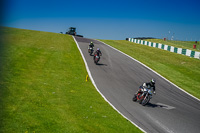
[
  {"x": 91, "y": 78},
  {"x": 151, "y": 70}
]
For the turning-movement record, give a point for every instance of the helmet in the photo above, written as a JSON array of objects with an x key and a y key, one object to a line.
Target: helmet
[
  {"x": 91, "y": 42},
  {"x": 98, "y": 49},
  {"x": 153, "y": 81}
]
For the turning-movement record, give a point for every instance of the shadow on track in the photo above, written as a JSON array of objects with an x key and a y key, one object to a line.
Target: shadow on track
[
  {"x": 155, "y": 105},
  {"x": 100, "y": 64}
]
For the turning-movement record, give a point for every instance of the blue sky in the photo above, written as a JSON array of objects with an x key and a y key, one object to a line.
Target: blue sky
[{"x": 108, "y": 19}]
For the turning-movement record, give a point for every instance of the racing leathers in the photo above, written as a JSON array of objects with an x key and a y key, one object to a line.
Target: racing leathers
[
  {"x": 97, "y": 53},
  {"x": 91, "y": 45},
  {"x": 148, "y": 85}
]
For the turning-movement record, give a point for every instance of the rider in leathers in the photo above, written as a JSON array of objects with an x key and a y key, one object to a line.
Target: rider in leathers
[
  {"x": 97, "y": 53},
  {"x": 91, "y": 45},
  {"x": 149, "y": 85}
]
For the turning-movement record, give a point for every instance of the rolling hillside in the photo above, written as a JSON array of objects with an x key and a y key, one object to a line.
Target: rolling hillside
[{"x": 43, "y": 87}]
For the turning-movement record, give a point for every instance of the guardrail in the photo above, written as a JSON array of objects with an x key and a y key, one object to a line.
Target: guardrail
[{"x": 182, "y": 51}]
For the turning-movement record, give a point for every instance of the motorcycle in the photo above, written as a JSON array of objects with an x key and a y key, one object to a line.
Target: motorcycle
[
  {"x": 143, "y": 96},
  {"x": 90, "y": 50},
  {"x": 96, "y": 59}
]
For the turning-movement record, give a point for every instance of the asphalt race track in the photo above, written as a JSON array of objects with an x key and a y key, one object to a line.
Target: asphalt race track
[{"x": 118, "y": 77}]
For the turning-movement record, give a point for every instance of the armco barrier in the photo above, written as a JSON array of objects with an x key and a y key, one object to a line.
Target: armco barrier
[{"x": 186, "y": 52}]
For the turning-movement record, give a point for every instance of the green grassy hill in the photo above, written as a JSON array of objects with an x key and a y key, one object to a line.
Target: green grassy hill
[
  {"x": 179, "y": 69},
  {"x": 43, "y": 87}
]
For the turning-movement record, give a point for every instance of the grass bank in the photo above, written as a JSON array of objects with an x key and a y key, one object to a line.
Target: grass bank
[
  {"x": 178, "y": 44},
  {"x": 179, "y": 69},
  {"x": 43, "y": 88}
]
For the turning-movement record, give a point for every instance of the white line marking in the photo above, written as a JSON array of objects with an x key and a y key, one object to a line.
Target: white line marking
[
  {"x": 91, "y": 78},
  {"x": 164, "y": 127},
  {"x": 160, "y": 124}
]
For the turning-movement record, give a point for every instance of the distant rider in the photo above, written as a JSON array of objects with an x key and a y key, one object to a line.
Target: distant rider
[
  {"x": 149, "y": 85},
  {"x": 91, "y": 45},
  {"x": 98, "y": 53}
]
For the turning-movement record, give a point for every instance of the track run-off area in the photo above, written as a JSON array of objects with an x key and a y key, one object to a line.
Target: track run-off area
[{"x": 117, "y": 77}]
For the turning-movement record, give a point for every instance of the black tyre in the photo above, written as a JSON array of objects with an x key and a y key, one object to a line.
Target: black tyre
[
  {"x": 135, "y": 98},
  {"x": 145, "y": 101},
  {"x": 141, "y": 99},
  {"x": 95, "y": 61}
]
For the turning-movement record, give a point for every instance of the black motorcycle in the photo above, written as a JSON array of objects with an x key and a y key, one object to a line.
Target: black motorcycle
[{"x": 90, "y": 50}]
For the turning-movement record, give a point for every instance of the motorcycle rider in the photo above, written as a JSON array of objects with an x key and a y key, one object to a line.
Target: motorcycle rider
[
  {"x": 97, "y": 53},
  {"x": 149, "y": 85},
  {"x": 91, "y": 45}
]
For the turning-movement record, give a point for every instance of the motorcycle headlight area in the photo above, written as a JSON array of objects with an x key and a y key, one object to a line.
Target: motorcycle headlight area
[{"x": 150, "y": 92}]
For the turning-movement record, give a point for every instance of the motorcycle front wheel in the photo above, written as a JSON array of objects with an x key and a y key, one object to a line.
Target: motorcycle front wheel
[{"x": 146, "y": 100}]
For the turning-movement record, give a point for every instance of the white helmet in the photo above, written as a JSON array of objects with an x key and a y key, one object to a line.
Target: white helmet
[{"x": 153, "y": 81}]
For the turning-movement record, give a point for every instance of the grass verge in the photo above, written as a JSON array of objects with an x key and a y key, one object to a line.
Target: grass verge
[
  {"x": 179, "y": 69},
  {"x": 178, "y": 44},
  {"x": 43, "y": 88}
]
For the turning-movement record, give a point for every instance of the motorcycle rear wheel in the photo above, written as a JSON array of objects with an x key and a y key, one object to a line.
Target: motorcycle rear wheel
[
  {"x": 95, "y": 62},
  {"x": 135, "y": 98},
  {"x": 140, "y": 99}
]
